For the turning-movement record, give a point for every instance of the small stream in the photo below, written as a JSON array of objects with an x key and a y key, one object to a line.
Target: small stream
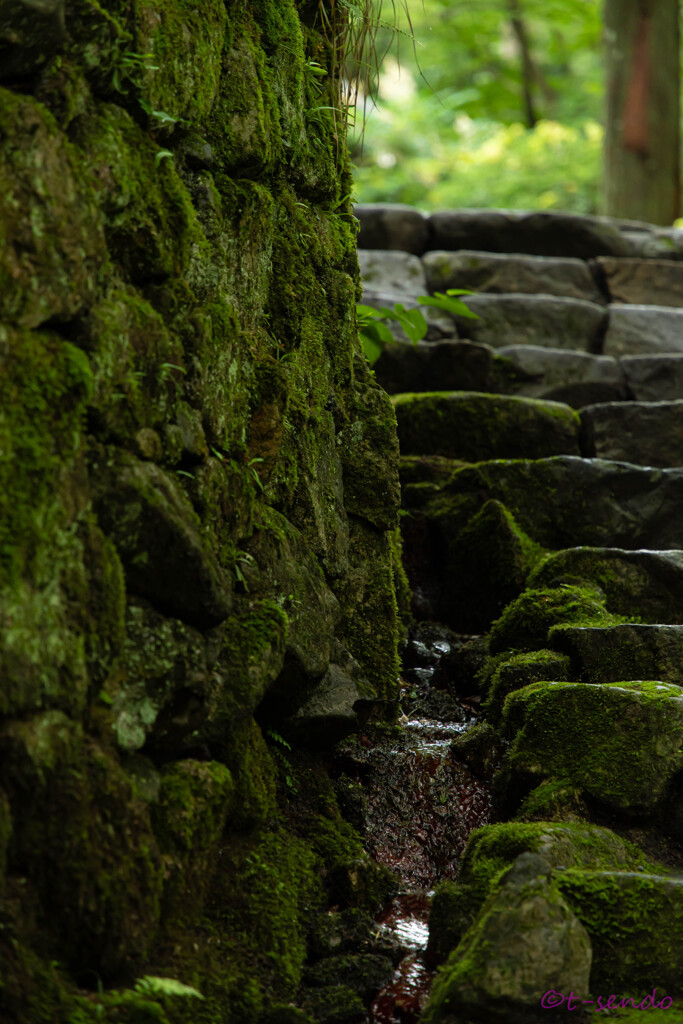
[{"x": 422, "y": 804}]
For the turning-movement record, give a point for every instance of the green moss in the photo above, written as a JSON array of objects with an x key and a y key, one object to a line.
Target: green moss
[
  {"x": 512, "y": 673},
  {"x": 84, "y": 841},
  {"x": 369, "y": 613},
  {"x": 635, "y": 922},
  {"x": 554, "y": 800},
  {"x": 475, "y": 427},
  {"x": 492, "y": 849},
  {"x": 608, "y": 740},
  {"x": 45, "y": 186},
  {"x": 401, "y": 583},
  {"x": 187, "y": 49},
  {"x": 526, "y": 622},
  {"x": 138, "y": 369},
  {"x": 254, "y": 774},
  {"x": 151, "y": 226}
]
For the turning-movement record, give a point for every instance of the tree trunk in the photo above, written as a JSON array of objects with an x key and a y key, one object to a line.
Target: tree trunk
[
  {"x": 642, "y": 132},
  {"x": 528, "y": 69}
]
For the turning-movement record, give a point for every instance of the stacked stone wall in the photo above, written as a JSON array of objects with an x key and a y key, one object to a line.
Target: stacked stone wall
[{"x": 198, "y": 485}]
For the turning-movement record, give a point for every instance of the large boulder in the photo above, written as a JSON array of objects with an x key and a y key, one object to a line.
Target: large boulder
[
  {"x": 635, "y": 926},
  {"x": 492, "y": 848},
  {"x": 525, "y": 942},
  {"x": 565, "y": 501}
]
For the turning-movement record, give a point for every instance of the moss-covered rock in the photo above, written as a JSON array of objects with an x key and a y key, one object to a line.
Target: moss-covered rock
[
  {"x": 475, "y": 427},
  {"x": 565, "y": 501},
  {"x": 512, "y": 673},
  {"x": 635, "y": 923},
  {"x": 158, "y": 537},
  {"x": 647, "y": 584},
  {"x": 527, "y": 621},
  {"x": 491, "y": 850},
  {"x": 46, "y": 194},
  {"x": 83, "y": 841},
  {"x": 525, "y": 941},
  {"x": 606, "y": 654},
  {"x": 620, "y": 743}
]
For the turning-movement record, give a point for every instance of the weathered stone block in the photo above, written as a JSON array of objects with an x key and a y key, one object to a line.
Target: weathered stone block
[
  {"x": 473, "y": 426},
  {"x": 643, "y": 330},
  {"x": 653, "y": 378},
  {"x": 643, "y": 282},
  {"x": 587, "y": 734},
  {"x": 606, "y": 654},
  {"x": 387, "y": 271},
  {"x": 548, "y": 321},
  {"x": 647, "y": 584},
  {"x": 645, "y": 433},
  {"x": 493, "y": 272},
  {"x": 436, "y": 366},
  {"x": 576, "y": 378},
  {"x": 392, "y": 226},
  {"x": 537, "y": 233}
]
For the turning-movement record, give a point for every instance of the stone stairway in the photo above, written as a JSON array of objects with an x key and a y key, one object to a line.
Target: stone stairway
[{"x": 542, "y": 475}]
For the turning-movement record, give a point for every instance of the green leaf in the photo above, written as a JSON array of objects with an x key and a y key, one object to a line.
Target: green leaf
[
  {"x": 163, "y": 154},
  {"x": 450, "y": 305},
  {"x": 371, "y": 347}
]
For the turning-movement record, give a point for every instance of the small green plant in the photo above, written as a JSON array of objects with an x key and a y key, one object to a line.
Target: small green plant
[
  {"x": 242, "y": 558},
  {"x": 153, "y": 986},
  {"x": 375, "y": 334},
  {"x": 277, "y": 738}
]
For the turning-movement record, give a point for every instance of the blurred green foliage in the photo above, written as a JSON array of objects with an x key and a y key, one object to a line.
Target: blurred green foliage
[{"x": 451, "y": 124}]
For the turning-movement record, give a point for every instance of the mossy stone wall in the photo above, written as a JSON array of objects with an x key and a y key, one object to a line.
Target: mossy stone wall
[{"x": 198, "y": 488}]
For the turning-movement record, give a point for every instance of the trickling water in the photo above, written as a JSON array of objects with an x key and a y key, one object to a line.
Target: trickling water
[{"x": 422, "y": 804}]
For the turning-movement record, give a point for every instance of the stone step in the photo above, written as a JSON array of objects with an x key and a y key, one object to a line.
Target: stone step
[
  {"x": 539, "y": 233},
  {"x": 644, "y": 433},
  {"x": 608, "y": 654},
  {"x": 499, "y": 273},
  {"x": 475, "y": 533},
  {"x": 653, "y": 378},
  {"x": 541, "y": 320},
  {"x": 559, "y": 502},
  {"x": 642, "y": 282},
  {"x": 619, "y": 743},
  {"x": 475, "y": 427},
  {"x": 643, "y": 330},
  {"x": 647, "y": 584},
  {"x": 576, "y": 378}
]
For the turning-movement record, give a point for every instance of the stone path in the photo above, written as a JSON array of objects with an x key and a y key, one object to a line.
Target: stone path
[{"x": 542, "y": 463}]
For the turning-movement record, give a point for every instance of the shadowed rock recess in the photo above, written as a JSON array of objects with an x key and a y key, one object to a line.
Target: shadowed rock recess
[
  {"x": 542, "y": 481},
  {"x": 198, "y": 505}
]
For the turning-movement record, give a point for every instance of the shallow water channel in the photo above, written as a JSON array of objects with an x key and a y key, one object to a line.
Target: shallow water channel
[{"x": 422, "y": 804}]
